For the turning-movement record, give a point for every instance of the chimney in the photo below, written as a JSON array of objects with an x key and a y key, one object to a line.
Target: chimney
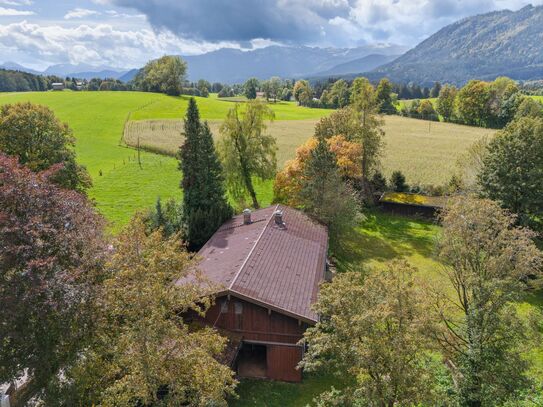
[
  {"x": 278, "y": 216},
  {"x": 247, "y": 217}
]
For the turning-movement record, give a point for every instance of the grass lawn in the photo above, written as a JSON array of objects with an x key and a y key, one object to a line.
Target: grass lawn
[
  {"x": 97, "y": 119},
  {"x": 259, "y": 393}
]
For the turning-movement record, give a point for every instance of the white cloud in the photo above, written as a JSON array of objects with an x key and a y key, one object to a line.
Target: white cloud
[
  {"x": 101, "y": 44},
  {"x": 16, "y": 2},
  {"x": 5, "y": 12},
  {"x": 80, "y": 13}
]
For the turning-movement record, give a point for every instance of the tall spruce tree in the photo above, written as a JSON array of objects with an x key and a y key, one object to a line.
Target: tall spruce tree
[
  {"x": 204, "y": 200},
  {"x": 324, "y": 194}
]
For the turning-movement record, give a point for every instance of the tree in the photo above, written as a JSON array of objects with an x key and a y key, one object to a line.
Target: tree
[
  {"x": 246, "y": 150},
  {"x": 512, "y": 171},
  {"x": 288, "y": 182},
  {"x": 143, "y": 351},
  {"x": 250, "y": 87},
  {"x": 446, "y": 102},
  {"x": 166, "y": 217},
  {"x": 370, "y": 133},
  {"x": 373, "y": 326},
  {"x": 436, "y": 90},
  {"x": 397, "y": 182},
  {"x": 302, "y": 92},
  {"x": 426, "y": 110},
  {"x": 164, "y": 75},
  {"x": 529, "y": 107},
  {"x": 472, "y": 103},
  {"x": 276, "y": 86},
  {"x": 384, "y": 97},
  {"x": 324, "y": 194},
  {"x": 52, "y": 246},
  {"x": 39, "y": 140},
  {"x": 339, "y": 94},
  {"x": 205, "y": 207},
  {"x": 342, "y": 122},
  {"x": 486, "y": 260}
]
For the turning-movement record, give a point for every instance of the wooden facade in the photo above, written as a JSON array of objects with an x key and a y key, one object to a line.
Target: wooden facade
[{"x": 278, "y": 333}]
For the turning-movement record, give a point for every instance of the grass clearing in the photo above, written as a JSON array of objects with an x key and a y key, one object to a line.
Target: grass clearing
[
  {"x": 121, "y": 185},
  {"x": 426, "y": 152}
]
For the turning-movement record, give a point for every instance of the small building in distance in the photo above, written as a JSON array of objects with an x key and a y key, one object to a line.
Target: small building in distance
[
  {"x": 268, "y": 266},
  {"x": 57, "y": 86},
  {"x": 401, "y": 203}
]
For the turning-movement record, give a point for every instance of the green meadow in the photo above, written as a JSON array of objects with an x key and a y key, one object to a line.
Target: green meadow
[{"x": 121, "y": 185}]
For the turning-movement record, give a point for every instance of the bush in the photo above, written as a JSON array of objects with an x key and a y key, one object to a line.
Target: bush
[{"x": 397, "y": 182}]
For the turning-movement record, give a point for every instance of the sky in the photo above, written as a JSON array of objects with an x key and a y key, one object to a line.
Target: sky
[{"x": 125, "y": 34}]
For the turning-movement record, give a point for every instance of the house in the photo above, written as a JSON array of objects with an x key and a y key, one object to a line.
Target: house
[
  {"x": 267, "y": 266},
  {"x": 401, "y": 203},
  {"x": 57, "y": 86}
]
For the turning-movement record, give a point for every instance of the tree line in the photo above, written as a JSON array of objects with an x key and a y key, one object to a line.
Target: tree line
[{"x": 17, "y": 81}]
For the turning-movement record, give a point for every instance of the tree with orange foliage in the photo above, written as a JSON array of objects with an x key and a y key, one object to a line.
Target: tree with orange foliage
[{"x": 288, "y": 182}]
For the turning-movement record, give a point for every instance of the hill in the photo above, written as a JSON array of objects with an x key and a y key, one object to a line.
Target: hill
[
  {"x": 484, "y": 46},
  {"x": 235, "y": 66},
  {"x": 363, "y": 64},
  {"x": 80, "y": 71}
]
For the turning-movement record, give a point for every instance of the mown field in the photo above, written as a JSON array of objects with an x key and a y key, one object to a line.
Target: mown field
[
  {"x": 426, "y": 152},
  {"x": 121, "y": 185}
]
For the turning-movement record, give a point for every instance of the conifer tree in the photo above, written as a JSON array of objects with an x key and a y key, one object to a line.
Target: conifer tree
[
  {"x": 204, "y": 200},
  {"x": 324, "y": 194}
]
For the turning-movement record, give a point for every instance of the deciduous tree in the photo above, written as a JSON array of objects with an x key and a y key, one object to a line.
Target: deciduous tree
[
  {"x": 246, "y": 150},
  {"x": 165, "y": 75},
  {"x": 34, "y": 135},
  {"x": 250, "y": 87},
  {"x": 52, "y": 251},
  {"x": 383, "y": 95},
  {"x": 512, "y": 171},
  {"x": 472, "y": 103},
  {"x": 373, "y": 326},
  {"x": 370, "y": 134},
  {"x": 446, "y": 102},
  {"x": 302, "y": 92},
  {"x": 288, "y": 182},
  {"x": 486, "y": 260},
  {"x": 143, "y": 350}
]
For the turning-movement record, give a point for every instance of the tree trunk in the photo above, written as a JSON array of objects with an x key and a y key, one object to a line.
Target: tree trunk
[{"x": 249, "y": 184}]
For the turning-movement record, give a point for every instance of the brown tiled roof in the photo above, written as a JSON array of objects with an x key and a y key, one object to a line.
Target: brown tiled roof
[{"x": 277, "y": 267}]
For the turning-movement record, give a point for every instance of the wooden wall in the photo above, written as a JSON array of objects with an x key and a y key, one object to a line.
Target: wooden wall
[
  {"x": 282, "y": 362},
  {"x": 255, "y": 322}
]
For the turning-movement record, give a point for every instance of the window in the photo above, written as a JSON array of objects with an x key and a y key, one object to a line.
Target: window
[
  {"x": 238, "y": 315},
  {"x": 224, "y": 306}
]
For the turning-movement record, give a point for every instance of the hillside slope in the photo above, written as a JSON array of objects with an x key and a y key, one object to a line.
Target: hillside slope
[
  {"x": 234, "y": 66},
  {"x": 483, "y": 46},
  {"x": 363, "y": 64}
]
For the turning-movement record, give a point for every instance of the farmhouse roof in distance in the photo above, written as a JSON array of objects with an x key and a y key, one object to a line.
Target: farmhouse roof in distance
[{"x": 277, "y": 260}]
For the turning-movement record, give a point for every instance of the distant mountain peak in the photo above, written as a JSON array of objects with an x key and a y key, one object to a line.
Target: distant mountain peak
[
  {"x": 229, "y": 65},
  {"x": 479, "y": 47}
]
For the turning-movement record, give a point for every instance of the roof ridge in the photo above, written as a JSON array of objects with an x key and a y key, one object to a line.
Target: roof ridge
[{"x": 252, "y": 249}]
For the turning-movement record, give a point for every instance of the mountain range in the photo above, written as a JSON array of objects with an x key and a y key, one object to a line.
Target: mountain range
[
  {"x": 484, "y": 47},
  {"x": 234, "y": 66},
  {"x": 480, "y": 47},
  {"x": 80, "y": 71}
]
